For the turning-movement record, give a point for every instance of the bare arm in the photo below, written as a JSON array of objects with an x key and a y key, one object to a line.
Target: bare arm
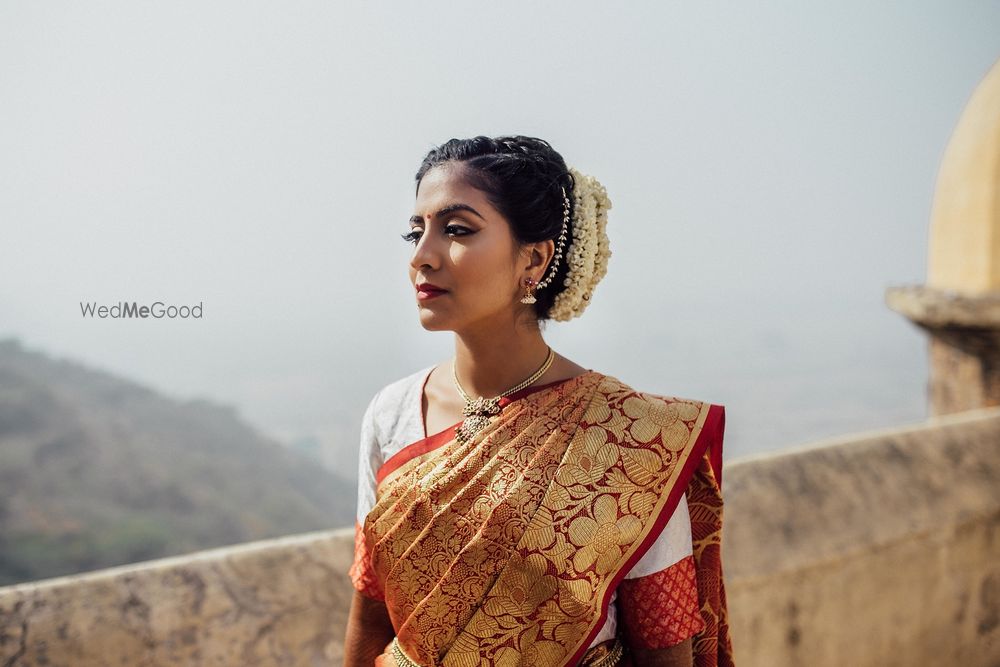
[
  {"x": 678, "y": 655},
  {"x": 368, "y": 631}
]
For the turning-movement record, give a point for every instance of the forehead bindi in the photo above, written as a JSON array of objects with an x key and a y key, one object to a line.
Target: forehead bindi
[
  {"x": 440, "y": 195},
  {"x": 450, "y": 209}
]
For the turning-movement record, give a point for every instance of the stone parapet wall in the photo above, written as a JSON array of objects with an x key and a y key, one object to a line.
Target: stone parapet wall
[
  {"x": 875, "y": 549},
  {"x": 275, "y": 602}
]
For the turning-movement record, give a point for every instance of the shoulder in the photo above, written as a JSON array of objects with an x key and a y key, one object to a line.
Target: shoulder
[
  {"x": 614, "y": 391},
  {"x": 394, "y": 417},
  {"x": 674, "y": 421},
  {"x": 396, "y": 391}
]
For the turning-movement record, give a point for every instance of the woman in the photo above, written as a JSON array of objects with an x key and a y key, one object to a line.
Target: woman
[{"x": 514, "y": 507}]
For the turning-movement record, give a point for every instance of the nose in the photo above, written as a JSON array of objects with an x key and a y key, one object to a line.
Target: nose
[{"x": 426, "y": 253}]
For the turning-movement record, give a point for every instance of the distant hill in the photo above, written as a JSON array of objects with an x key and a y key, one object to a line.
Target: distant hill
[{"x": 97, "y": 471}]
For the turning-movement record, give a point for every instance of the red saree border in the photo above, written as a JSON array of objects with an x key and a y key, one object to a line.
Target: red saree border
[
  {"x": 414, "y": 450},
  {"x": 432, "y": 442},
  {"x": 704, "y": 441},
  {"x": 715, "y": 447}
]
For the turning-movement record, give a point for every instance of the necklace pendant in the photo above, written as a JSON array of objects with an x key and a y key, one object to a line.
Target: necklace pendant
[
  {"x": 478, "y": 415},
  {"x": 486, "y": 407},
  {"x": 471, "y": 426}
]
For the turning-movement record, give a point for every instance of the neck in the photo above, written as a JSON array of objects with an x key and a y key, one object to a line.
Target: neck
[{"x": 489, "y": 364}]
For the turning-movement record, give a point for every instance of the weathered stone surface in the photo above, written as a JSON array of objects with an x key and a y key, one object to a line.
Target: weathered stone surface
[
  {"x": 278, "y": 602},
  {"x": 933, "y": 308},
  {"x": 964, "y": 345},
  {"x": 965, "y": 370},
  {"x": 874, "y": 549}
]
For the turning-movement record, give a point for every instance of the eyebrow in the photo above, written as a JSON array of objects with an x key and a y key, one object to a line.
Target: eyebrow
[{"x": 451, "y": 208}]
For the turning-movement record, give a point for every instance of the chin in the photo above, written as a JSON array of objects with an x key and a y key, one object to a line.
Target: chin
[{"x": 432, "y": 321}]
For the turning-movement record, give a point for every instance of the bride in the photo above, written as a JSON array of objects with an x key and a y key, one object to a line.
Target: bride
[{"x": 514, "y": 507}]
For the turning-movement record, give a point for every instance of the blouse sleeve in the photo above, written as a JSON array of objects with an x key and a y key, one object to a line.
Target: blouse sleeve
[
  {"x": 369, "y": 461},
  {"x": 658, "y": 598}
]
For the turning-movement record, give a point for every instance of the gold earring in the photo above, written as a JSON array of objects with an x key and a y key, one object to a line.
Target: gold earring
[{"x": 529, "y": 291}]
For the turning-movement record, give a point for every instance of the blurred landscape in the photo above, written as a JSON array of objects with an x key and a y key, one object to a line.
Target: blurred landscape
[{"x": 97, "y": 471}]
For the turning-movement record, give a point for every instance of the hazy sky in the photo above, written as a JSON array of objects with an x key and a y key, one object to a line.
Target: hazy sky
[{"x": 771, "y": 166}]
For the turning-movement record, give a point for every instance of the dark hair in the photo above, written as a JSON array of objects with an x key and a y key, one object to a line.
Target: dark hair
[{"x": 523, "y": 178}]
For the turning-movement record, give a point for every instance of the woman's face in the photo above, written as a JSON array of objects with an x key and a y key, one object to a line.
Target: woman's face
[{"x": 464, "y": 246}]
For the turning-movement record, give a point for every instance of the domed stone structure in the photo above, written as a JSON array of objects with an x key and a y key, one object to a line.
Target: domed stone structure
[
  {"x": 965, "y": 222},
  {"x": 960, "y": 305}
]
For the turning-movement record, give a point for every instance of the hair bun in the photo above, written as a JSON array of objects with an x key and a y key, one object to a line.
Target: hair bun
[{"x": 590, "y": 249}]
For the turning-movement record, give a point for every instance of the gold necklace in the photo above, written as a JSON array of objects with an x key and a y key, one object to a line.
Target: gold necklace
[{"x": 479, "y": 411}]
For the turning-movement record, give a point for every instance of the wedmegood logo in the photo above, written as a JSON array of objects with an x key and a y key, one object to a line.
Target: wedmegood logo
[{"x": 157, "y": 310}]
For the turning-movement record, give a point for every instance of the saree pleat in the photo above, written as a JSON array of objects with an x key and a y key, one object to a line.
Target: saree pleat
[
  {"x": 444, "y": 527},
  {"x": 504, "y": 550}
]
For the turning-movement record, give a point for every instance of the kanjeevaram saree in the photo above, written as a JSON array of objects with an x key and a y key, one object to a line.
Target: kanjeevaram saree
[{"x": 504, "y": 550}]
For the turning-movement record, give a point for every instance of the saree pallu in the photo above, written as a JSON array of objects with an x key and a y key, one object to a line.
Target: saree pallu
[{"x": 505, "y": 550}]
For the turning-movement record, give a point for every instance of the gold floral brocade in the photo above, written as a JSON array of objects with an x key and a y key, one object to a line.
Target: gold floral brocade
[{"x": 504, "y": 550}]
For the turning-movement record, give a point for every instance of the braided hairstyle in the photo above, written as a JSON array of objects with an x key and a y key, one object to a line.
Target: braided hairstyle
[{"x": 523, "y": 178}]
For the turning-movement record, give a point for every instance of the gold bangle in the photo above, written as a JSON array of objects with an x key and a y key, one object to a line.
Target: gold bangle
[
  {"x": 613, "y": 657},
  {"x": 402, "y": 660}
]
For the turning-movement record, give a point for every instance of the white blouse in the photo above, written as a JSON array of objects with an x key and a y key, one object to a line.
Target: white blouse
[{"x": 394, "y": 419}]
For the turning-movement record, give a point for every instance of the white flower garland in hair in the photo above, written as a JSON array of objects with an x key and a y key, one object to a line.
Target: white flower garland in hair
[{"x": 589, "y": 251}]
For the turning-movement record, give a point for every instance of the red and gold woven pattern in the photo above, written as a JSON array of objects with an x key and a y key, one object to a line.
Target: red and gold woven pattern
[
  {"x": 504, "y": 550},
  {"x": 661, "y": 609}
]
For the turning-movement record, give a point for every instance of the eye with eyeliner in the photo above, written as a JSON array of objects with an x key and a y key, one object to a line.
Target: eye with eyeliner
[{"x": 415, "y": 234}]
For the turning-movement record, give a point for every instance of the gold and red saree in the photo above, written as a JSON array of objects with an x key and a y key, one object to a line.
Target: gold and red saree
[{"x": 505, "y": 550}]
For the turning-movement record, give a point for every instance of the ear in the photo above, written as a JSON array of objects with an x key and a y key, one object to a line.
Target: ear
[{"x": 538, "y": 255}]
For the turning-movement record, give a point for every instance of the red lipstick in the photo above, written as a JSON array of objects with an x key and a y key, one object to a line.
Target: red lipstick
[{"x": 429, "y": 291}]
